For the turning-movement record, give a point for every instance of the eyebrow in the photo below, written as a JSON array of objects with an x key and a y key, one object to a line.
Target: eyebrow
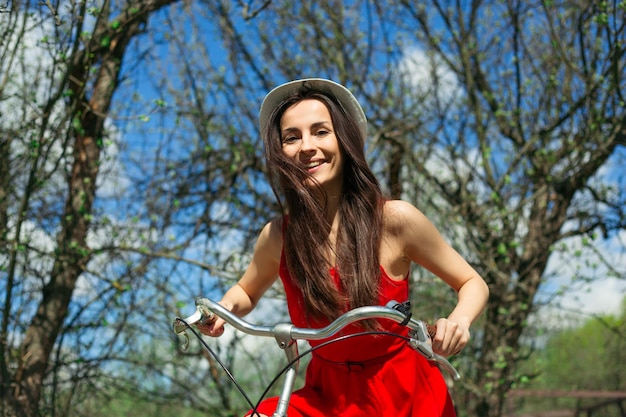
[{"x": 313, "y": 126}]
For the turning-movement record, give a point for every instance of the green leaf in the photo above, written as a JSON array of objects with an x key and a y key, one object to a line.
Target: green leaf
[{"x": 160, "y": 102}]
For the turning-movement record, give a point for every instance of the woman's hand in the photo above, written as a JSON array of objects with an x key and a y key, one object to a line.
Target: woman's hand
[
  {"x": 451, "y": 337},
  {"x": 211, "y": 326}
]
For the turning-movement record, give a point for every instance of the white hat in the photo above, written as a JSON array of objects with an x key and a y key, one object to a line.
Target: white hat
[{"x": 341, "y": 93}]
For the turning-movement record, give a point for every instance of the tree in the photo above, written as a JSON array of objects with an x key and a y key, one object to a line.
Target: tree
[
  {"x": 537, "y": 113},
  {"x": 502, "y": 133},
  {"x": 56, "y": 134},
  {"x": 568, "y": 353},
  {"x": 580, "y": 358}
]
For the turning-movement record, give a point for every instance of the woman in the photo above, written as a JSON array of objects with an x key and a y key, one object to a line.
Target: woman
[{"x": 341, "y": 244}]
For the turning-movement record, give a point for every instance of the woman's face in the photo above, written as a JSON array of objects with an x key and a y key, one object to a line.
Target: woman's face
[{"x": 308, "y": 137}]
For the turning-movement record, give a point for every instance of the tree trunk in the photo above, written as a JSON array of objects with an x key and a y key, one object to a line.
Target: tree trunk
[{"x": 105, "y": 52}]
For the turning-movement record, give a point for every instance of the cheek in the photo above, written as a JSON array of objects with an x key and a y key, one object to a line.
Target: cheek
[
  {"x": 340, "y": 159},
  {"x": 284, "y": 148},
  {"x": 289, "y": 151}
]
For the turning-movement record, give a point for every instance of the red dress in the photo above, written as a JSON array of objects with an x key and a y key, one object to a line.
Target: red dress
[{"x": 365, "y": 376}]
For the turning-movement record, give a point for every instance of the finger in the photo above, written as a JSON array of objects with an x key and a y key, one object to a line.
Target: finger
[
  {"x": 216, "y": 332},
  {"x": 440, "y": 335},
  {"x": 455, "y": 340},
  {"x": 214, "y": 329},
  {"x": 209, "y": 318},
  {"x": 204, "y": 329},
  {"x": 449, "y": 337}
]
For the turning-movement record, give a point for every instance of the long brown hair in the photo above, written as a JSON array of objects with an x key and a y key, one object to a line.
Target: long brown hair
[{"x": 306, "y": 235}]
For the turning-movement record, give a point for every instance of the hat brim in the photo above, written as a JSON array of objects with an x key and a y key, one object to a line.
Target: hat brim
[{"x": 341, "y": 93}]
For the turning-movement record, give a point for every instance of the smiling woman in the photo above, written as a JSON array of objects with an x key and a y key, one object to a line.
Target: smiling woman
[
  {"x": 308, "y": 138},
  {"x": 341, "y": 244}
]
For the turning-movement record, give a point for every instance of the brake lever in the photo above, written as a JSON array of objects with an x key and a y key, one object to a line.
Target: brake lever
[
  {"x": 201, "y": 315},
  {"x": 421, "y": 341}
]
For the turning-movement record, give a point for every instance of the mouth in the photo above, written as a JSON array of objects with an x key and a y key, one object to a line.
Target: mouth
[{"x": 313, "y": 164}]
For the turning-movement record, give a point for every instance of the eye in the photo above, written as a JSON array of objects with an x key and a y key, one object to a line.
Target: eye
[
  {"x": 322, "y": 132},
  {"x": 289, "y": 139}
]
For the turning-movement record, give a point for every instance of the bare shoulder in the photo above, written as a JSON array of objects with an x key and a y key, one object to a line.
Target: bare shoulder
[
  {"x": 275, "y": 228},
  {"x": 399, "y": 214},
  {"x": 410, "y": 228}
]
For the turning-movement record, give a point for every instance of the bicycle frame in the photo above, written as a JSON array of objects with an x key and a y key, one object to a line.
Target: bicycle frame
[{"x": 286, "y": 335}]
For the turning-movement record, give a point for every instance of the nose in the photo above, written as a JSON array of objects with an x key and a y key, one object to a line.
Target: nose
[{"x": 307, "y": 144}]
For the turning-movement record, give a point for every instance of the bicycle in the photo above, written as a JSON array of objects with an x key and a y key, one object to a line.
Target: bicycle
[{"x": 286, "y": 335}]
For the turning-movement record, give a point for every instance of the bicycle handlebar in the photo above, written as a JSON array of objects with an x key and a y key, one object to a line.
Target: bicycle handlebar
[{"x": 286, "y": 334}]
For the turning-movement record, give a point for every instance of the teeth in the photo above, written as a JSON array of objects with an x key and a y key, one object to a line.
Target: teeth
[{"x": 313, "y": 164}]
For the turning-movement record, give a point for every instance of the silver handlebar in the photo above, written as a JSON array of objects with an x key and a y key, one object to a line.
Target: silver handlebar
[{"x": 286, "y": 334}]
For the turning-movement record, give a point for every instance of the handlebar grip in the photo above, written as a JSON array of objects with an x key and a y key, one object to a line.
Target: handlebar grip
[{"x": 432, "y": 330}]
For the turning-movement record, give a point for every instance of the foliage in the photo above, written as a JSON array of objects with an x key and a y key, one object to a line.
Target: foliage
[
  {"x": 598, "y": 341},
  {"x": 582, "y": 358},
  {"x": 131, "y": 176}
]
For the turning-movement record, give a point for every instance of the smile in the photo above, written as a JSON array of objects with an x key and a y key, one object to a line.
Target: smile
[{"x": 313, "y": 164}]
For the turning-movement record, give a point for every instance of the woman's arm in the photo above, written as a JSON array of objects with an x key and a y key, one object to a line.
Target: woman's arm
[
  {"x": 259, "y": 276},
  {"x": 424, "y": 245}
]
